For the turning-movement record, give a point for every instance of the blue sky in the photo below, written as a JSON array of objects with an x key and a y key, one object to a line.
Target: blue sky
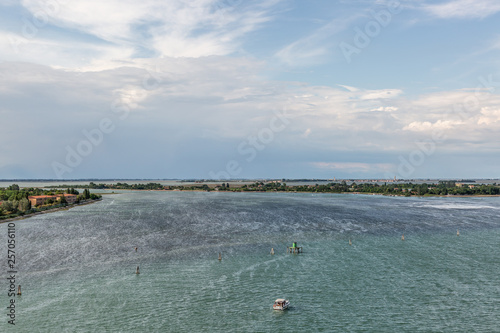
[{"x": 249, "y": 89}]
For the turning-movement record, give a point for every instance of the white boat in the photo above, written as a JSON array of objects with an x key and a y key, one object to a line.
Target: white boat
[{"x": 281, "y": 304}]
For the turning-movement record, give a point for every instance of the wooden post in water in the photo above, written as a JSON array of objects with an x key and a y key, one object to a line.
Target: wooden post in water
[
  {"x": 350, "y": 243},
  {"x": 220, "y": 256},
  {"x": 272, "y": 250},
  {"x": 458, "y": 233},
  {"x": 137, "y": 270},
  {"x": 19, "y": 290},
  {"x": 136, "y": 249},
  {"x": 403, "y": 237}
]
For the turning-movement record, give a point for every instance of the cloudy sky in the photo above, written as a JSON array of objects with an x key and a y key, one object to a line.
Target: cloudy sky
[{"x": 246, "y": 89}]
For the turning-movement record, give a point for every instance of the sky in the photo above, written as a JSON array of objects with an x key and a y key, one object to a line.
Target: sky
[{"x": 218, "y": 89}]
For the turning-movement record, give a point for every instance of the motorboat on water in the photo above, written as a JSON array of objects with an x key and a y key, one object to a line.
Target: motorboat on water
[{"x": 281, "y": 304}]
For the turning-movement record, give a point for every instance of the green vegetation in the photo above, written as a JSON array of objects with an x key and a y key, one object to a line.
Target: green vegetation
[
  {"x": 14, "y": 200},
  {"x": 119, "y": 186},
  {"x": 406, "y": 189},
  {"x": 403, "y": 189}
]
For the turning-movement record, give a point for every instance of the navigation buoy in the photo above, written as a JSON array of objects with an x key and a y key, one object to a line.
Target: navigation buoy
[
  {"x": 403, "y": 237},
  {"x": 137, "y": 270},
  {"x": 272, "y": 250},
  {"x": 19, "y": 290},
  {"x": 458, "y": 233},
  {"x": 220, "y": 256},
  {"x": 350, "y": 243}
]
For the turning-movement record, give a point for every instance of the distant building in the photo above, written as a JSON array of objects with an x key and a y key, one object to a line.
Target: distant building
[
  {"x": 39, "y": 200},
  {"x": 70, "y": 198}
]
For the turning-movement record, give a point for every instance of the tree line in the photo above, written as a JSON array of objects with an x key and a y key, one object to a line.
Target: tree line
[{"x": 406, "y": 189}]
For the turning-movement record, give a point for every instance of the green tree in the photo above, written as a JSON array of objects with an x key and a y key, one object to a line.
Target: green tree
[
  {"x": 86, "y": 194},
  {"x": 63, "y": 200},
  {"x": 72, "y": 191},
  {"x": 15, "y": 205},
  {"x": 7, "y": 206},
  {"x": 24, "y": 205}
]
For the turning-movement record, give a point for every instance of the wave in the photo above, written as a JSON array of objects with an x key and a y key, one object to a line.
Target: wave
[{"x": 457, "y": 206}]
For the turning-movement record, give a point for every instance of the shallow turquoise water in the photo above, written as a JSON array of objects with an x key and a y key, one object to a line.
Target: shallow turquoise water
[{"x": 77, "y": 267}]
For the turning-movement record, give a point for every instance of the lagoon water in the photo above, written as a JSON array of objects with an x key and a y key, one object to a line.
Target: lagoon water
[{"x": 77, "y": 267}]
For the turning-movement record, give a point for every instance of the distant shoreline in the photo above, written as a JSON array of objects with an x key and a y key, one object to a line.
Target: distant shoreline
[
  {"x": 441, "y": 189},
  {"x": 428, "y": 195},
  {"x": 354, "y": 193}
]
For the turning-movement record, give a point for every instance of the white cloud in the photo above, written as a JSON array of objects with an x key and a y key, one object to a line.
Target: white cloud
[
  {"x": 78, "y": 55},
  {"x": 352, "y": 89},
  {"x": 112, "y": 32},
  {"x": 381, "y": 94},
  {"x": 419, "y": 126},
  {"x": 306, "y": 133},
  {"x": 313, "y": 48},
  {"x": 213, "y": 99},
  {"x": 464, "y": 9},
  {"x": 168, "y": 63},
  {"x": 226, "y": 99},
  {"x": 489, "y": 116},
  {"x": 385, "y": 109}
]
